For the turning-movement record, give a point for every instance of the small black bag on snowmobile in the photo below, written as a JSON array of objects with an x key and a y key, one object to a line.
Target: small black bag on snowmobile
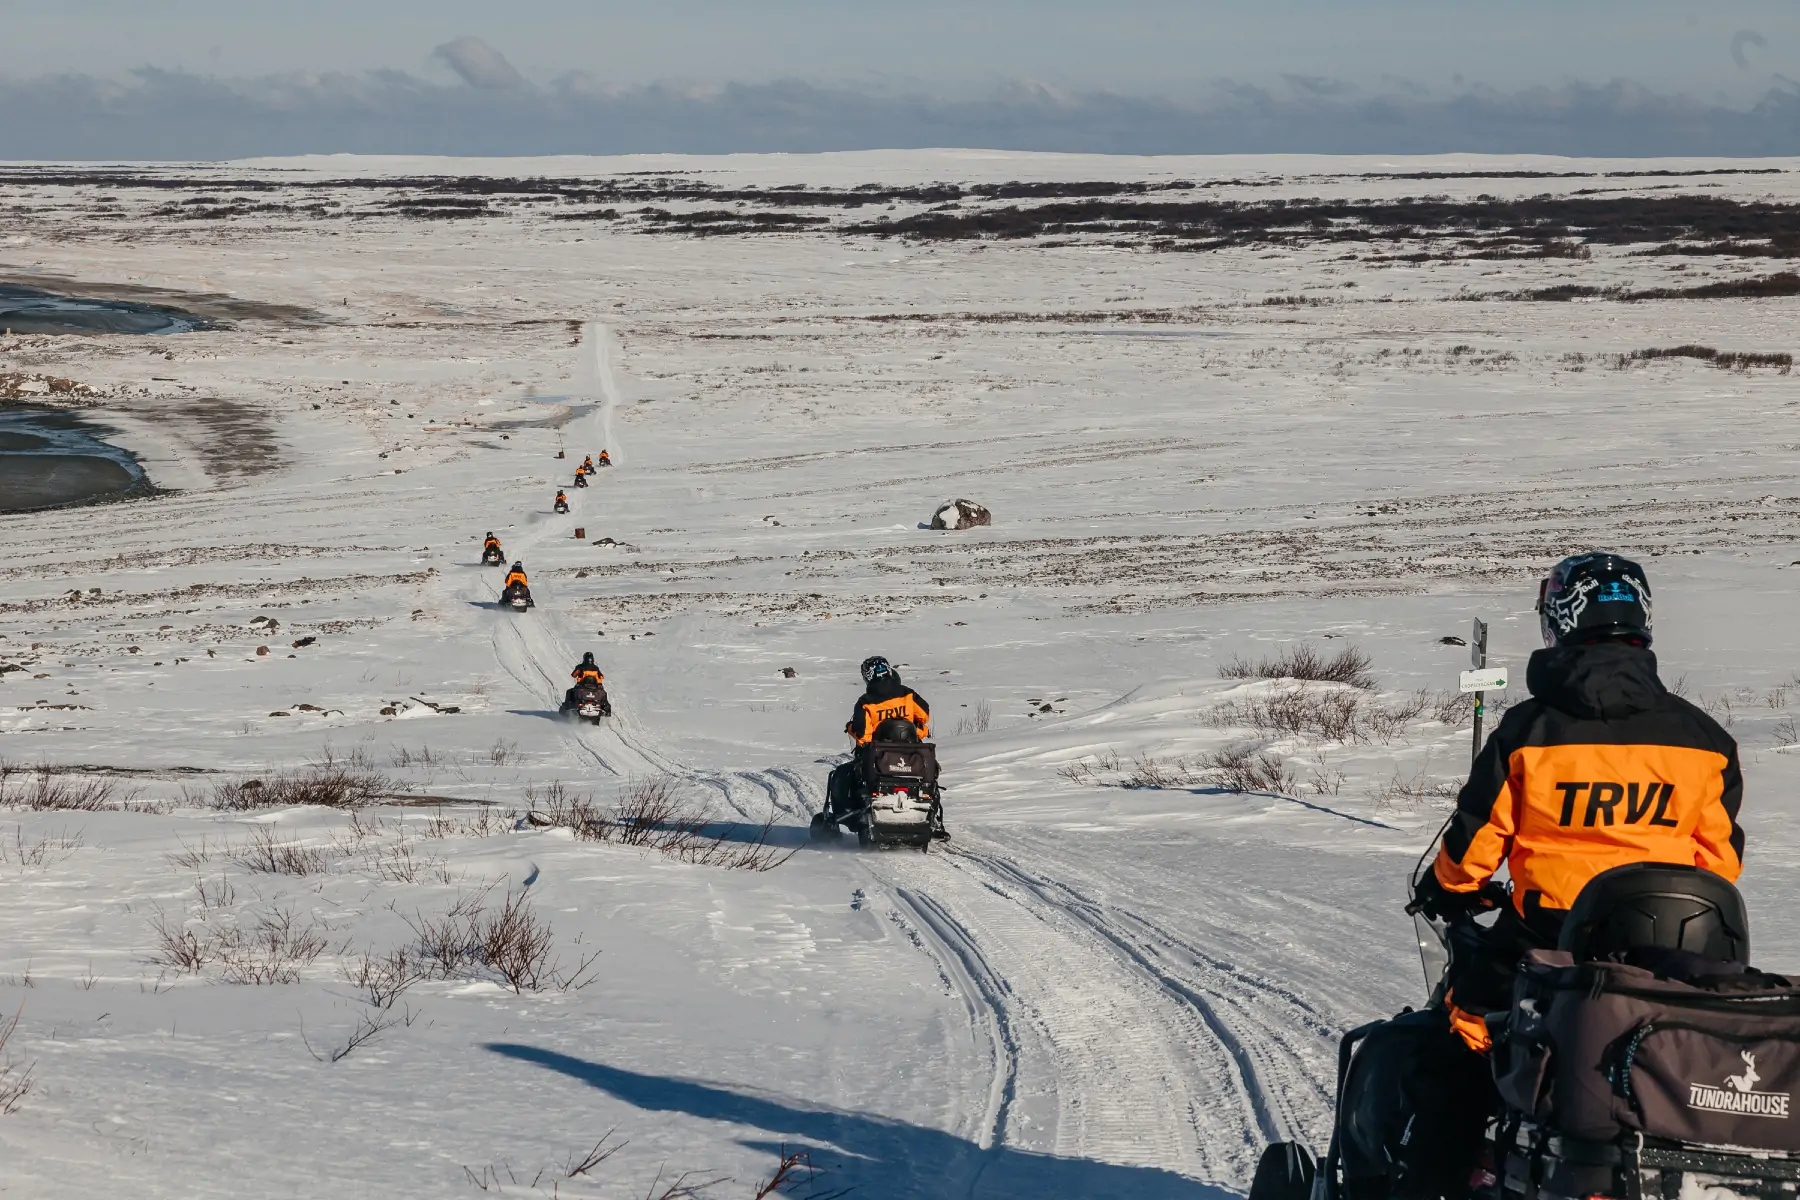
[
  {"x": 1413, "y": 1101},
  {"x": 898, "y": 764}
]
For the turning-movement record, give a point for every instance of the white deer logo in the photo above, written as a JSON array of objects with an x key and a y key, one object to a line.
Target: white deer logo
[{"x": 1748, "y": 1079}]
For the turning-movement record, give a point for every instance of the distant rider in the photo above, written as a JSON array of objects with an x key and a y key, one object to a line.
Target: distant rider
[
  {"x": 587, "y": 674},
  {"x": 884, "y": 699},
  {"x": 562, "y": 502},
  {"x": 605, "y": 459},
  {"x": 587, "y": 465},
  {"x": 491, "y": 546}
]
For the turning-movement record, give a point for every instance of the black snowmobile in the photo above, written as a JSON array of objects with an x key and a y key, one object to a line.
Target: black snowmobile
[
  {"x": 587, "y": 701},
  {"x": 517, "y": 597},
  {"x": 1642, "y": 1059},
  {"x": 493, "y": 556},
  {"x": 580, "y": 479},
  {"x": 561, "y": 505},
  {"x": 887, "y": 793}
]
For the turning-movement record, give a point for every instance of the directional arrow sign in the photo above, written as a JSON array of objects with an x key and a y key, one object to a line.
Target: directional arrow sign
[{"x": 1491, "y": 679}]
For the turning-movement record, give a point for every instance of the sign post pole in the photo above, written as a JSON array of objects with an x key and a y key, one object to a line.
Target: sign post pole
[{"x": 1478, "y": 660}]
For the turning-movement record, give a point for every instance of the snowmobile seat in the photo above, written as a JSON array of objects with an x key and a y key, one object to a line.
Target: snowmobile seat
[
  {"x": 896, "y": 729},
  {"x": 1662, "y": 906}
]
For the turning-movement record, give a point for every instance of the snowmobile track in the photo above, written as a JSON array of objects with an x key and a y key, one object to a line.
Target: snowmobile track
[
  {"x": 1271, "y": 1065},
  {"x": 986, "y": 995},
  {"x": 1108, "y": 1063}
]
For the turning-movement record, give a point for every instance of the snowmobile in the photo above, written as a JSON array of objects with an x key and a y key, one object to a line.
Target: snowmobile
[
  {"x": 605, "y": 459},
  {"x": 517, "y": 597},
  {"x": 889, "y": 794},
  {"x": 580, "y": 479},
  {"x": 493, "y": 556},
  {"x": 588, "y": 702},
  {"x": 561, "y": 505},
  {"x": 1643, "y": 1057}
]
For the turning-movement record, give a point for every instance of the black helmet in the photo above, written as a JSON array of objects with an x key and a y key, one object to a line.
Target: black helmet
[
  {"x": 490, "y": 533},
  {"x": 875, "y": 667},
  {"x": 519, "y": 565},
  {"x": 1588, "y": 597},
  {"x": 587, "y": 660}
]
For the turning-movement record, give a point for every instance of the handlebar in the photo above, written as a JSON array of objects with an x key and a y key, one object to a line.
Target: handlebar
[{"x": 1492, "y": 894}]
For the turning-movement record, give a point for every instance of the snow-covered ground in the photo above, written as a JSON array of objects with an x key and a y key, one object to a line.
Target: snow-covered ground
[{"x": 1092, "y": 990}]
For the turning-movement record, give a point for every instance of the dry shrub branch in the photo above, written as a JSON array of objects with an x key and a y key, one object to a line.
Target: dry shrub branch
[
  {"x": 267, "y": 853},
  {"x": 15, "y": 1079},
  {"x": 43, "y": 789},
  {"x": 512, "y": 944},
  {"x": 1237, "y": 768},
  {"x": 260, "y": 948},
  {"x": 330, "y": 783},
  {"x": 1350, "y": 665},
  {"x": 1335, "y": 714},
  {"x": 40, "y": 852},
  {"x": 654, "y": 814}
]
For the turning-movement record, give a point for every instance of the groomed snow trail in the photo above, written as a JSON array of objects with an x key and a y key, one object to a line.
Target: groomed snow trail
[
  {"x": 1110, "y": 1037},
  {"x": 1107, "y": 1038},
  {"x": 537, "y": 648}
]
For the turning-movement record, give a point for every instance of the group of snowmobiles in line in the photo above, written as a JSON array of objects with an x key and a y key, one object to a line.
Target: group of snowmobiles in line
[
  {"x": 515, "y": 593},
  {"x": 1604, "y": 1036},
  {"x": 888, "y": 793},
  {"x": 588, "y": 467}
]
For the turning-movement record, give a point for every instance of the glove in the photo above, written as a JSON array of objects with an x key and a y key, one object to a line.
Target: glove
[{"x": 1438, "y": 903}]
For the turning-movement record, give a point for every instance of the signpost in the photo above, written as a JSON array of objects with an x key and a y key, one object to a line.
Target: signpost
[{"x": 1479, "y": 679}]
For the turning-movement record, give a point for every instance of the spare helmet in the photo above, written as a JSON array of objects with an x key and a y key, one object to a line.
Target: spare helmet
[
  {"x": 876, "y": 667},
  {"x": 1588, "y": 597}
]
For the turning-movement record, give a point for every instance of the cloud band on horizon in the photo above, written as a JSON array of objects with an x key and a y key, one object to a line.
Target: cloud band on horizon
[{"x": 169, "y": 115}]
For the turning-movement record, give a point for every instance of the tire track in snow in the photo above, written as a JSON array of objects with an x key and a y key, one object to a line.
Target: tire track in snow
[
  {"x": 985, "y": 994},
  {"x": 1108, "y": 1063},
  {"x": 1280, "y": 1090}
]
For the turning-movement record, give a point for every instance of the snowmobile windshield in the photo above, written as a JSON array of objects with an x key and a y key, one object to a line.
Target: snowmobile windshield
[
  {"x": 1433, "y": 934},
  {"x": 1434, "y": 954}
]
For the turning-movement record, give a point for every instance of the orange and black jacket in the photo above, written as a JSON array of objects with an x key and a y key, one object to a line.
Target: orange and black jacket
[
  {"x": 517, "y": 577},
  {"x": 1602, "y": 766},
  {"x": 885, "y": 701},
  {"x": 490, "y": 544},
  {"x": 583, "y": 675}
]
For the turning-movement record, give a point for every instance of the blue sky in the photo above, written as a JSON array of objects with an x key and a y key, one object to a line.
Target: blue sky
[{"x": 1713, "y": 63}]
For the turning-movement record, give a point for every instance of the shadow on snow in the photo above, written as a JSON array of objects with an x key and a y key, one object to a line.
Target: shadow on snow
[{"x": 880, "y": 1156}]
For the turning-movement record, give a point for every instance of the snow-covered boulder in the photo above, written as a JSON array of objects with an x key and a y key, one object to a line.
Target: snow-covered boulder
[{"x": 961, "y": 514}]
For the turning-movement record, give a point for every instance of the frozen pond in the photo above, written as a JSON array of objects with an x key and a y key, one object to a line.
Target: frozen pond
[
  {"x": 51, "y": 459},
  {"x": 28, "y": 310}
]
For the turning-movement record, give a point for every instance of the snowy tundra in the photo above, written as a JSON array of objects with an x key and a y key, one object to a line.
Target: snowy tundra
[{"x": 1175, "y": 876}]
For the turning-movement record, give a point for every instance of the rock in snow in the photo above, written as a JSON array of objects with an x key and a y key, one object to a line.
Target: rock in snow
[{"x": 961, "y": 514}]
